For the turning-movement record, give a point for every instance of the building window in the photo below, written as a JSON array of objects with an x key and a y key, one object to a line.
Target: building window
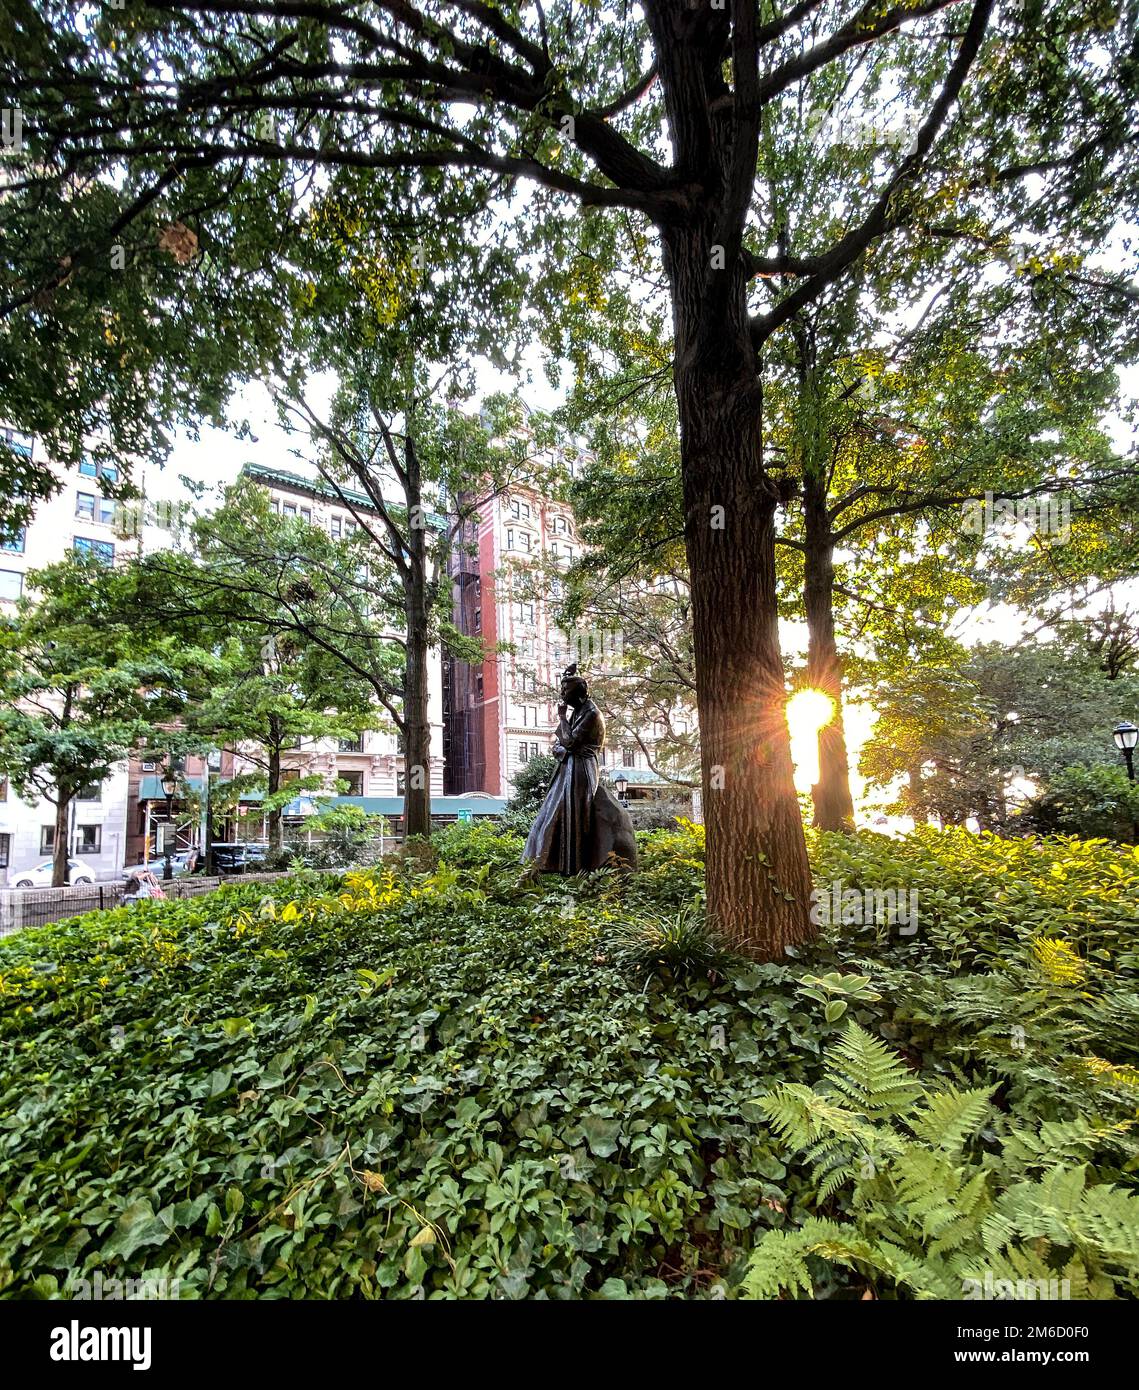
[
  {"x": 401, "y": 784},
  {"x": 478, "y": 619},
  {"x": 90, "y": 839},
  {"x": 5, "y": 848},
  {"x": 628, "y": 757},
  {"x": 47, "y": 839},
  {"x": 88, "y": 507},
  {"x": 213, "y": 760},
  {"x": 524, "y": 541},
  {"x": 15, "y": 546},
  {"x": 22, "y": 443},
  {"x": 510, "y": 538},
  {"x": 88, "y": 468},
  {"x": 335, "y": 527},
  {"x": 478, "y": 684},
  {"x": 103, "y": 551},
  {"x": 11, "y": 585},
  {"x": 352, "y": 745},
  {"x": 93, "y": 791},
  {"x": 306, "y": 514},
  {"x": 288, "y": 509},
  {"x": 524, "y": 612},
  {"x": 355, "y": 782}
]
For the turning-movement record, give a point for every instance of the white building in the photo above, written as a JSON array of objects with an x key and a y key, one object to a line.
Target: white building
[
  {"x": 372, "y": 766},
  {"x": 78, "y": 516}
]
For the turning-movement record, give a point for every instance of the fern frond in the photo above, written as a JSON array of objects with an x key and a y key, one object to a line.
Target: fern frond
[
  {"x": 949, "y": 1117},
  {"x": 778, "y": 1263},
  {"x": 1059, "y": 1139},
  {"x": 869, "y": 1077}
]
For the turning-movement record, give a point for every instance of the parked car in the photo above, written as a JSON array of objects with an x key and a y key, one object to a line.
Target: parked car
[
  {"x": 239, "y": 858},
  {"x": 40, "y": 876}
]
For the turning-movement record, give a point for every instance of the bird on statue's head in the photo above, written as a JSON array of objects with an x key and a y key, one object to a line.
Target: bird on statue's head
[{"x": 574, "y": 690}]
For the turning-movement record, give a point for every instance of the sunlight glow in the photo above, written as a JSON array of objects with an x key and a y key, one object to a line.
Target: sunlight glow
[{"x": 807, "y": 712}]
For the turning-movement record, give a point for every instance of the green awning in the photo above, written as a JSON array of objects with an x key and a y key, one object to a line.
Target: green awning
[
  {"x": 150, "y": 788},
  {"x": 440, "y": 805},
  {"x": 638, "y": 776}
]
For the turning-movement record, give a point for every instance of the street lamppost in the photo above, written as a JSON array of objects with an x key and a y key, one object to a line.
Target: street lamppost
[
  {"x": 1126, "y": 736},
  {"x": 169, "y": 787},
  {"x": 621, "y": 782}
]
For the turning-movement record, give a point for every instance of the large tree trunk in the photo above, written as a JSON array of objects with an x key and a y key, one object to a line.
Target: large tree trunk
[
  {"x": 60, "y": 850},
  {"x": 834, "y": 806},
  {"x": 417, "y": 726},
  {"x": 757, "y": 874}
]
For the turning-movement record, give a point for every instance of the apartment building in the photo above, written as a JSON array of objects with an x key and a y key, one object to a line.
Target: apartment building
[
  {"x": 502, "y": 712},
  {"x": 78, "y": 517},
  {"x": 373, "y": 765}
]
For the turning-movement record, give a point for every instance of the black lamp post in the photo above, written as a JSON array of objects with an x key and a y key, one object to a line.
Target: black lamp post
[
  {"x": 169, "y": 787},
  {"x": 621, "y": 782},
  {"x": 1126, "y": 736}
]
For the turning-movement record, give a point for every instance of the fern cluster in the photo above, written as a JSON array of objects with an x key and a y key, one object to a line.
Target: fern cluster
[{"x": 938, "y": 1195}]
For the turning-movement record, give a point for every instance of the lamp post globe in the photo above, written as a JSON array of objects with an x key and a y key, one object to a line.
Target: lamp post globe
[{"x": 1126, "y": 735}]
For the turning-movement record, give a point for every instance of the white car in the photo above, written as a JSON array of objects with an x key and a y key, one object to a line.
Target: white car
[{"x": 40, "y": 876}]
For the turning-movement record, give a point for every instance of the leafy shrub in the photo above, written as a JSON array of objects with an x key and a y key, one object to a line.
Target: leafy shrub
[
  {"x": 1096, "y": 802},
  {"x": 531, "y": 783},
  {"x": 349, "y": 835},
  {"x": 438, "y": 1081},
  {"x": 482, "y": 842},
  {"x": 663, "y": 814}
]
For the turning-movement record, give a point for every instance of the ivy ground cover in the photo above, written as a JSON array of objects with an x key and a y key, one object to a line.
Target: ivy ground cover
[{"x": 439, "y": 1081}]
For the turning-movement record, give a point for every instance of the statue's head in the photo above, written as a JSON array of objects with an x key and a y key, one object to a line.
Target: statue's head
[{"x": 574, "y": 689}]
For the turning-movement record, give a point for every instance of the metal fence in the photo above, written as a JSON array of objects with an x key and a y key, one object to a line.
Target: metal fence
[{"x": 35, "y": 907}]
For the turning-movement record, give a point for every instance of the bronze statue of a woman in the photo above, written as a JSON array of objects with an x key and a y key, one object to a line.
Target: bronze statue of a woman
[{"x": 581, "y": 825}]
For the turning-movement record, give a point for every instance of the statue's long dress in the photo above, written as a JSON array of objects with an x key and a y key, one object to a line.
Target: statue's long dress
[{"x": 562, "y": 838}]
